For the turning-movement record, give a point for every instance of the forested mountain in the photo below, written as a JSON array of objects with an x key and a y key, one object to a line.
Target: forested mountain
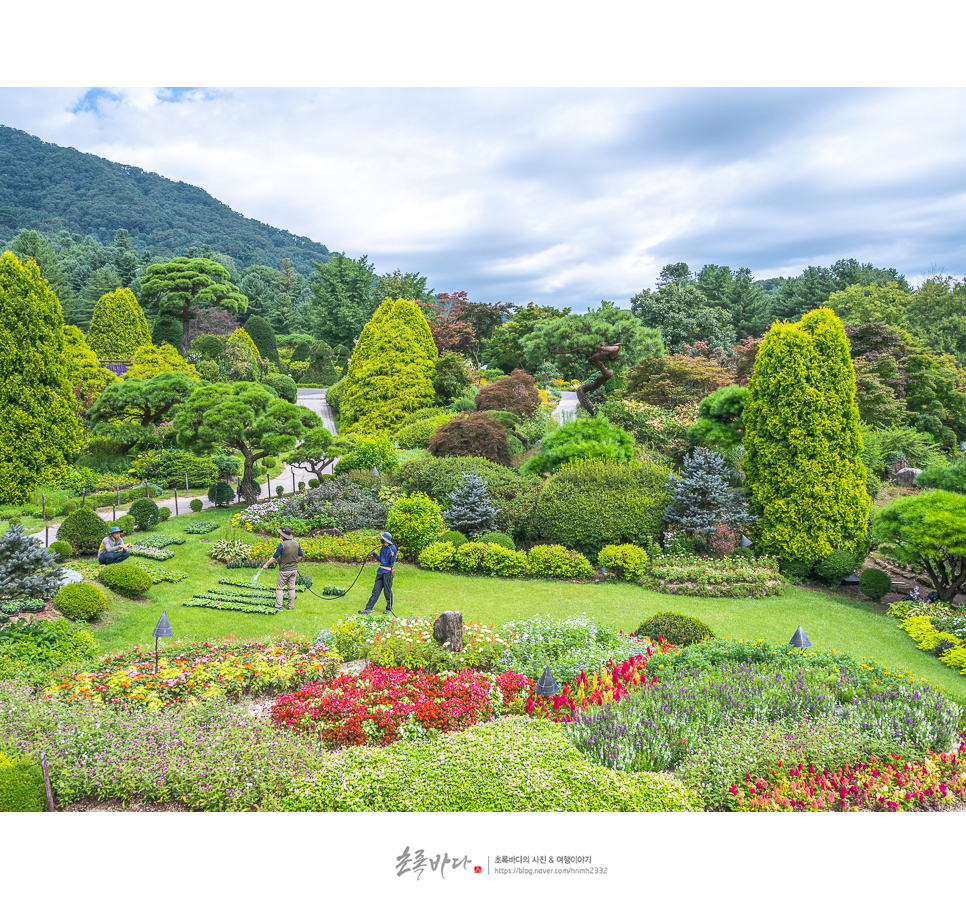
[{"x": 49, "y": 188}]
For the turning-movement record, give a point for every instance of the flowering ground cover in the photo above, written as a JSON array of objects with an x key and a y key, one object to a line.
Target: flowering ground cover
[
  {"x": 701, "y": 576},
  {"x": 191, "y": 671},
  {"x": 383, "y": 705},
  {"x": 201, "y": 526},
  {"x": 937, "y": 628}
]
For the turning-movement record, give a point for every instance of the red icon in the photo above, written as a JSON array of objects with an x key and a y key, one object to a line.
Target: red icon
[{"x": 478, "y": 870}]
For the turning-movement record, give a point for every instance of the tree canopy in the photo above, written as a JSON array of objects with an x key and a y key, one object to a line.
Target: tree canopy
[
  {"x": 129, "y": 410},
  {"x": 118, "y": 327}
]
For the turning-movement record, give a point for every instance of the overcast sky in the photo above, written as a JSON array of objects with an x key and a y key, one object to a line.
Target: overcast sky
[{"x": 558, "y": 196}]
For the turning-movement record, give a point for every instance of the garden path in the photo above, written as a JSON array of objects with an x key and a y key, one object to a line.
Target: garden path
[
  {"x": 313, "y": 399},
  {"x": 567, "y": 407}
]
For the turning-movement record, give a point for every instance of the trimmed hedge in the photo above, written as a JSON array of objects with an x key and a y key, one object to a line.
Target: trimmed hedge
[
  {"x": 676, "y": 628},
  {"x": 145, "y": 513},
  {"x": 62, "y": 548},
  {"x": 874, "y": 584},
  {"x": 126, "y": 579},
  {"x": 500, "y": 539},
  {"x": 83, "y": 530},
  {"x": 81, "y": 601},
  {"x": 21, "y": 784},
  {"x": 558, "y": 562},
  {"x": 629, "y": 562},
  {"x": 438, "y": 557}
]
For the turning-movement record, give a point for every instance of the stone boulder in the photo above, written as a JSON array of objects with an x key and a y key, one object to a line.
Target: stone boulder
[
  {"x": 448, "y": 630},
  {"x": 906, "y": 476}
]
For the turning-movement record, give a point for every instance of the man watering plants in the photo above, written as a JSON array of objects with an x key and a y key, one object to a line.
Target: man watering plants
[
  {"x": 287, "y": 554},
  {"x": 387, "y": 565}
]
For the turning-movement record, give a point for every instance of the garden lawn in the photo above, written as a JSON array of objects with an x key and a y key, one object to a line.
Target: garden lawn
[{"x": 853, "y": 627}]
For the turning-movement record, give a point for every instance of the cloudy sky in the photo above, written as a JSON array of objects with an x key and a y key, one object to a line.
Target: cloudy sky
[{"x": 562, "y": 196}]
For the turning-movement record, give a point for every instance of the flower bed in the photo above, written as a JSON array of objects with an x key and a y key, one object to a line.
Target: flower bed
[
  {"x": 700, "y": 576},
  {"x": 609, "y": 685},
  {"x": 350, "y": 547},
  {"x": 201, "y": 526},
  {"x": 150, "y": 552},
  {"x": 886, "y": 784},
  {"x": 160, "y": 540},
  {"x": 383, "y": 705},
  {"x": 199, "y": 670},
  {"x": 937, "y": 628}
]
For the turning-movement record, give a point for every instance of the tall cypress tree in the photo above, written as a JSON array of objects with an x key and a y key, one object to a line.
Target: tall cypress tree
[
  {"x": 40, "y": 434},
  {"x": 118, "y": 327},
  {"x": 803, "y": 444}
]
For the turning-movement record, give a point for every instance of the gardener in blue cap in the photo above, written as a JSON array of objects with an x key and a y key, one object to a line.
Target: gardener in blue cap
[
  {"x": 387, "y": 566},
  {"x": 113, "y": 548}
]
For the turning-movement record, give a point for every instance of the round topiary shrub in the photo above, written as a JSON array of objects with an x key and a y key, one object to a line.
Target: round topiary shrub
[
  {"x": 83, "y": 530},
  {"x": 835, "y": 566},
  {"x": 196, "y": 504},
  {"x": 145, "y": 513},
  {"x": 80, "y": 601},
  {"x": 127, "y": 524},
  {"x": 220, "y": 494},
  {"x": 313, "y": 483},
  {"x": 502, "y": 561},
  {"x": 415, "y": 522},
  {"x": 452, "y": 536},
  {"x": 470, "y": 555},
  {"x": 627, "y": 561},
  {"x": 126, "y": 579},
  {"x": 500, "y": 539},
  {"x": 438, "y": 557},
  {"x": 21, "y": 784},
  {"x": 61, "y": 548},
  {"x": 594, "y": 503},
  {"x": 558, "y": 562},
  {"x": 70, "y": 506},
  {"x": 165, "y": 512},
  {"x": 874, "y": 584},
  {"x": 676, "y": 628},
  {"x": 284, "y": 386},
  {"x": 471, "y": 434}
]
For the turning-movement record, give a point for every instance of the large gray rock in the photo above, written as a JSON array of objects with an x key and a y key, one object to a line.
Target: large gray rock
[
  {"x": 907, "y": 476},
  {"x": 448, "y": 630}
]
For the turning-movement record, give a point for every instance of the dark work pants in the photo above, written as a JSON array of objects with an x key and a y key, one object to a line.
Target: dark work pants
[
  {"x": 109, "y": 558},
  {"x": 383, "y": 585}
]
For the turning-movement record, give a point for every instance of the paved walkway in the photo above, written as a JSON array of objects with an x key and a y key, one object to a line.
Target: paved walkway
[
  {"x": 566, "y": 410},
  {"x": 313, "y": 399}
]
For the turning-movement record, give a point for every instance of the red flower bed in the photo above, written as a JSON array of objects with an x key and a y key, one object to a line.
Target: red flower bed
[
  {"x": 382, "y": 705},
  {"x": 886, "y": 785},
  {"x": 599, "y": 688}
]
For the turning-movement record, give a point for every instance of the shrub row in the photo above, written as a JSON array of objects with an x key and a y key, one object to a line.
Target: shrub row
[{"x": 494, "y": 559}]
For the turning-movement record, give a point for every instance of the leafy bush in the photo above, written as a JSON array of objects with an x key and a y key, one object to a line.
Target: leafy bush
[
  {"x": 581, "y": 439},
  {"x": 676, "y": 628},
  {"x": 231, "y": 551},
  {"x": 196, "y": 504},
  {"x": 558, "y": 562},
  {"x": 164, "y": 512},
  {"x": 628, "y": 561},
  {"x": 502, "y": 561},
  {"x": 126, "y": 578},
  {"x": 84, "y": 530},
  {"x": 371, "y": 452},
  {"x": 470, "y": 556},
  {"x": 594, "y": 503},
  {"x": 62, "y": 549},
  {"x": 81, "y": 601},
  {"x": 285, "y": 386},
  {"x": 170, "y": 467},
  {"x": 516, "y": 393},
  {"x": 438, "y": 557},
  {"x": 127, "y": 524},
  {"x": 452, "y": 536},
  {"x": 21, "y": 784},
  {"x": 414, "y": 523},
  {"x": 31, "y": 650},
  {"x": 500, "y": 539},
  {"x": 471, "y": 434},
  {"x": 417, "y": 433},
  {"x": 835, "y": 566},
  {"x": 145, "y": 513},
  {"x": 220, "y": 494},
  {"x": 951, "y": 477},
  {"x": 874, "y": 584}
]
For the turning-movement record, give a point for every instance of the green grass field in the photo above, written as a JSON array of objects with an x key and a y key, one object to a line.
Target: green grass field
[{"x": 860, "y": 629}]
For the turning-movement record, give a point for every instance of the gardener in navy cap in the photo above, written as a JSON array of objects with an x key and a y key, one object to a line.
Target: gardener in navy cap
[
  {"x": 387, "y": 565},
  {"x": 288, "y": 553},
  {"x": 113, "y": 548}
]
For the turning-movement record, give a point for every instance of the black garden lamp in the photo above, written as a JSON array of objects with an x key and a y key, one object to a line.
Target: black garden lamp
[
  {"x": 546, "y": 686},
  {"x": 162, "y": 631},
  {"x": 800, "y": 640}
]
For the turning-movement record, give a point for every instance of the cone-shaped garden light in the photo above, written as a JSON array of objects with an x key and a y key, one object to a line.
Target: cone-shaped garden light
[
  {"x": 800, "y": 640},
  {"x": 546, "y": 686},
  {"x": 162, "y": 631}
]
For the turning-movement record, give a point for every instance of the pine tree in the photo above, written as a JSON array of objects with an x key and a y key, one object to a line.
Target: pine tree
[
  {"x": 118, "y": 327},
  {"x": 470, "y": 509},
  {"x": 27, "y": 569},
  {"x": 803, "y": 444},
  {"x": 40, "y": 434},
  {"x": 702, "y": 497}
]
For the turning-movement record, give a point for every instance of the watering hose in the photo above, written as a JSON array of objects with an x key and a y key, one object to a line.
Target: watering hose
[{"x": 302, "y": 580}]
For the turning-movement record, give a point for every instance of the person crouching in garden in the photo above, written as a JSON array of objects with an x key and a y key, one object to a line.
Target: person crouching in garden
[
  {"x": 113, "y": 548},
  {"x": 387, "y": 566},
  {"x": 288, "y": 554}
]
